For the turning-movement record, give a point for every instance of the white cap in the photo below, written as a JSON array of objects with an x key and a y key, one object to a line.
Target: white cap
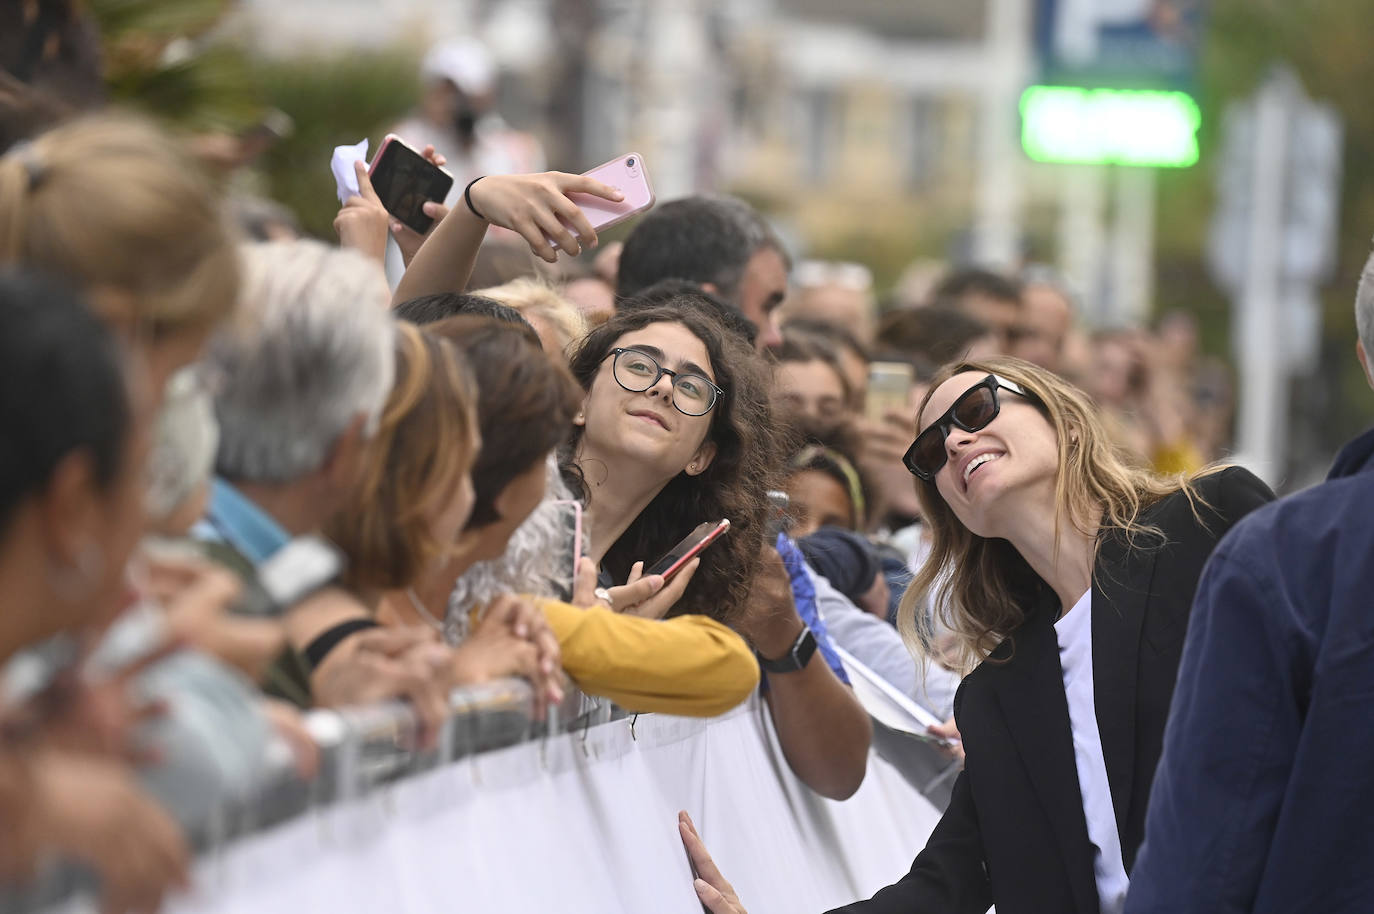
[{"x": 465, "y": 62}]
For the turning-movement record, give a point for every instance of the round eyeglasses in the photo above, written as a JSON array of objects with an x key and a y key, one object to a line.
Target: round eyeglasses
[{"x": 637, "y": 371}]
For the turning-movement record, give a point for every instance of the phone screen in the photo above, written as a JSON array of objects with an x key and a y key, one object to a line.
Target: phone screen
[
  {"x": 691, "y": 546},
  {"x": 889, "y": 389},
  {"x": 404, "y": 182}
]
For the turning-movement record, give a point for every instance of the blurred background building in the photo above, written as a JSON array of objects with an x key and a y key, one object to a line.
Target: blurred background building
[{"x": 874, "y": 132}]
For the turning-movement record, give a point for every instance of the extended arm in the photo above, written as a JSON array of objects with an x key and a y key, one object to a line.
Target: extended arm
[
  {"x": 824, "y": 731},
  {"x": 689, "y": 665},
  {"x": 536, "y": 207}
]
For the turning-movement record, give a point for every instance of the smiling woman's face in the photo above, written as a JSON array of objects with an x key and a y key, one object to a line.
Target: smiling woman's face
[
  {"x": 644, "y": 426},
  {"x": 988, "y": 473}
]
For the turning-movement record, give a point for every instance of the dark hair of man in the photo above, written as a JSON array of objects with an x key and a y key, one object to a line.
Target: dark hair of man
[
  {"x": 975, "y": 281},
  {"x": 837, "y": 336},
  {"x": 702, "y": 239},
  {"x": 746, "y": 465},
  {"x": 62, "y": 389},
  {"x": 525, "y": 403},
  {"x": 428, "y": 309},
  {"x": 668, "y": 291},
  {"x": 935, "y": 334}
]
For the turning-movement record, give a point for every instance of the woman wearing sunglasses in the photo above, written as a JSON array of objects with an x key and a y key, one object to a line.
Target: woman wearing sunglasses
[{"x": 1067, "y": 577}]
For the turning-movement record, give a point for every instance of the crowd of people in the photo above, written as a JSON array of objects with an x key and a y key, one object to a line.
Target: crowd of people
[{"x": 243, "y": 479}]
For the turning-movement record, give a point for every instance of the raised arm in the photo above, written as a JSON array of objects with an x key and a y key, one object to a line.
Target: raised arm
[
  {"x": 824, "y": 731},
  {"x": 536, "y": 207},
  {"x": 689, "y": 665}
]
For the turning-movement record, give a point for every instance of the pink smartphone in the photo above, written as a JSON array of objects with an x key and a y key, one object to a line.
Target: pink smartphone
[
  {"x": 626, "y": 174},
  {"x": 692, "y": 546}
]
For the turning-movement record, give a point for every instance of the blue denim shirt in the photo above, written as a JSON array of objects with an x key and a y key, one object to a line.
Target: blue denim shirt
[{"x": 1262, "y": 799}]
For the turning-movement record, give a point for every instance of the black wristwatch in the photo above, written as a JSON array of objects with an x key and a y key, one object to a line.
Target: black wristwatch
[{"x": 796, "y": 658}]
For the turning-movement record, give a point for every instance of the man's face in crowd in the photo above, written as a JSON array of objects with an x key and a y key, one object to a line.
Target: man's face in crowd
[
  {"x": 1001, "y": 315},
  {"x": 1045, "y": 323},
  {"x": 762, "y": 289}
]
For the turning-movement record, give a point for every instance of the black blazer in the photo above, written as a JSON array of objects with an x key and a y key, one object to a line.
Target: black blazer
[{"x": 1014, "y": 832}]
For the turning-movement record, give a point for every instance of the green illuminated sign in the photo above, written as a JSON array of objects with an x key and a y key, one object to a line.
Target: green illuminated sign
[{"x": 1109, "y": 126}]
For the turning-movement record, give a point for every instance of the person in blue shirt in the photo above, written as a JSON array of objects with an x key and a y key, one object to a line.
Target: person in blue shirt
[{"x": 1263, "y": 795}]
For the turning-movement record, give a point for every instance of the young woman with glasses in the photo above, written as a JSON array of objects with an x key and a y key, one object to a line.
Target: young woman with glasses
[
  {"x": 1067, "y": 576},
  {"x": 676, "y": 430}
]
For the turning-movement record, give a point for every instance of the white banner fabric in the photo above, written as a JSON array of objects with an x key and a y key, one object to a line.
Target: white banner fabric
[{"x": 578, "y": 824}]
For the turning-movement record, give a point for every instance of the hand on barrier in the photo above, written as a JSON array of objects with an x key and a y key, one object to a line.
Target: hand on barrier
[
  {"x": 512, "y": 638},
  {"x": 289, "y": 724},
  {"x": 362, "y": 222},
  {"x": 93, "y": 811},
  {"x": 407, "y": 239},
  {"x": 102, "y": 716},
  {"x": 537, "y": 208},
  {"x": 387, "y": 663},
  {"x": 716, "y": 894}
]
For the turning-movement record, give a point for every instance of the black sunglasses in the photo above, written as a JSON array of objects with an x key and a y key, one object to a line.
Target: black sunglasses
[{"x": 972, "y": 412}]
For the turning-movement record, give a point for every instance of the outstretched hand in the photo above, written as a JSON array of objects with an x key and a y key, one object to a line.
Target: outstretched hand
[
  {"x": 537, "y": 208},
  {"x": 716, "y": 894}
]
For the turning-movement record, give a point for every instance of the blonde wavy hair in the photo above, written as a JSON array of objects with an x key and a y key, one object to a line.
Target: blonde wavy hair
[
  {"x": 112, "y": 202},
  {"x": 980, "y": 589},
  {"x": 414, "y": 465},
  {"x": 539, "y": 302}
]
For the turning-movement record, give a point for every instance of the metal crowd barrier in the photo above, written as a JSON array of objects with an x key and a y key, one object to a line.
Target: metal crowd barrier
[{"x": 360, "y": 748}]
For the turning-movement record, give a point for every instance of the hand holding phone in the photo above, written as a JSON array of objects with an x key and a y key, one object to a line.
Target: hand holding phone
[
  {"x": 691, "y": 546},
  {"x": 405, "y": 181},
  {"x": 550, "y": 210},
  {"x": 625, "y": 174}
]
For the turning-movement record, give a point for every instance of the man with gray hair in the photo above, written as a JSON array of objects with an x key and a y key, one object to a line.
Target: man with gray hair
[
  {"x": 303, "y": 375},
  {"x": 719, "y": 243}
]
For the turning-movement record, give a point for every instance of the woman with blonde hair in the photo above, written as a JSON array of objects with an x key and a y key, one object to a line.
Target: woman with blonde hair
[
  {"x": 1067, "y": 577},
  {"x": 113, "y": 205}
]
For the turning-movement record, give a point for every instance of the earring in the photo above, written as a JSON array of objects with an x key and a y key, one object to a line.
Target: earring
[{"x": 692, "y": 467}]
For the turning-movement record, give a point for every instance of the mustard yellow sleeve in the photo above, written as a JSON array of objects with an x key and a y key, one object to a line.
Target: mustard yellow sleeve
[{"x": 691, "y": 666}]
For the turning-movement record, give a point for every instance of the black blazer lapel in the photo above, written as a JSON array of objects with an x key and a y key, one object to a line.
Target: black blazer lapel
[
  {"x": 1031, "y": 694},
  {"x": 1121, "y": 587}
]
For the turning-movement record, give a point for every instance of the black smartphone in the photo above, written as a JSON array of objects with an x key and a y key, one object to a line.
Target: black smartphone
[
  {"x": 405, "y": 181},
  {"x": 690, "y": 547}
]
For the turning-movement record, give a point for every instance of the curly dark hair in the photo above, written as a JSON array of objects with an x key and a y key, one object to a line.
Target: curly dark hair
[{"x": 747, "y": 462}]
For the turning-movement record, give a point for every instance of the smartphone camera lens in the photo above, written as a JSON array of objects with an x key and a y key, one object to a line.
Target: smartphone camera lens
[{"x": 630, "y": 162}]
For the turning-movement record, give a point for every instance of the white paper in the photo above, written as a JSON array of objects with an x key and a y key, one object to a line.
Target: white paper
[
  {"x": 345, "y": 179},
  {"x": 884, "y": 702}
]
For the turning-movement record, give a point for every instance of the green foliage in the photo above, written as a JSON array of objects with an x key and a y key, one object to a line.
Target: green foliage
[{"x": 334, "y": 101}]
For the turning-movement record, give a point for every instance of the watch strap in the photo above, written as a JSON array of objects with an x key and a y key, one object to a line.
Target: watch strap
[{"x": 796, "y": 658}]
